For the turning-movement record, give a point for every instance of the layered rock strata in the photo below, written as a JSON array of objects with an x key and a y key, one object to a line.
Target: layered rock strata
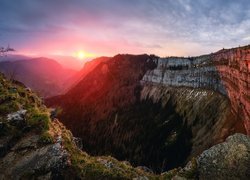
[{"x": 226, "y": 71}]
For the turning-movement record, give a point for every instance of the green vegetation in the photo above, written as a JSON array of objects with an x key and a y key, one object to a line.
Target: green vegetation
[
  {"x": 104, "y": 167},
  {"x": 170, "y": 174},
  {"x": 14, "y": 97},
  {"x": 191, "y": 173},
  {"x": 46, "y": 138},
  {"x": 152, "y": 132},
  {"x": 39, "y": 120}
]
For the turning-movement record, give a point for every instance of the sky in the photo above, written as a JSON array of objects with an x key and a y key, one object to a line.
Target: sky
[{"x": 109, "y": 27}]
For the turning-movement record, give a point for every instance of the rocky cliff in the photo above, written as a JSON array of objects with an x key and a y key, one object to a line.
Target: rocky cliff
[{"x": 226, "y": 71}]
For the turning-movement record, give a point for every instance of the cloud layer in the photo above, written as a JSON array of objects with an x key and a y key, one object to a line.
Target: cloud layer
[{"x": 108, "y": 27}]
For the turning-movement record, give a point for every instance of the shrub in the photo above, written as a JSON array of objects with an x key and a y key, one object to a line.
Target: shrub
[
  {"x": 9, "y": 107},
  {"x": 46, "y": 138},
  {"x": 39, "y": 120},
  {"x": 192, "y": 172}
]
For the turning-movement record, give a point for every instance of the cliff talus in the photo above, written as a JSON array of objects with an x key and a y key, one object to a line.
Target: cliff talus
[{"x": 207, "y": 113}]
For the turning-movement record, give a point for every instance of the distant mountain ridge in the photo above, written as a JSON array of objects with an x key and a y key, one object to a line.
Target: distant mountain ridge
[
  {"x": 45, "y": 76},
  {"x": 69, "y": 62},
  {"x": 14, "y": 57}
]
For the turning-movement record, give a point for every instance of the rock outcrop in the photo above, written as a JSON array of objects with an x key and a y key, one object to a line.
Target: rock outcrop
[
  {"x": 27, "y": 159},
  {"x": 228, "y": 160},
  {"x": 17, "y": 118}
]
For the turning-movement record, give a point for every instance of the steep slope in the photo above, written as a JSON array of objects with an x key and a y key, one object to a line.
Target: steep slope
[
  {"x": 105, "y": 83},
  {"x": 45, "y": 76},
  {"x": 166, "y": 110},
  {"x": 87, "y": 68},
  {"x": 24, "y": 137}
]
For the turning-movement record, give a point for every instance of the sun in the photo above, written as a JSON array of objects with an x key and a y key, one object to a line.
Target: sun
[
  {"x": 83, "y": 55},
  {"x": 80, "y": 55}
]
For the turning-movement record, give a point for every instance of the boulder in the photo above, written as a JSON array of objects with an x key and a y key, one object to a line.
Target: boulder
[
  {"x": 27, "y": 159},
  {"x": 228, "y": 160},
  {"x": 17, "y": 118}
]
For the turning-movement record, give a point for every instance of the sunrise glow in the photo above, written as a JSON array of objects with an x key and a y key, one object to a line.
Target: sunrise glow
[
  {"x": 80, "y": 55},
  {"x": 129, "y": 29},
  {"x": 83, "y": 55}
]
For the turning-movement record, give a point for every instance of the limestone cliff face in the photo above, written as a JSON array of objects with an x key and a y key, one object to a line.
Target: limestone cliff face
[
  {"x": 234, "y": 68},
  {"x": 226, "y": 71}
]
